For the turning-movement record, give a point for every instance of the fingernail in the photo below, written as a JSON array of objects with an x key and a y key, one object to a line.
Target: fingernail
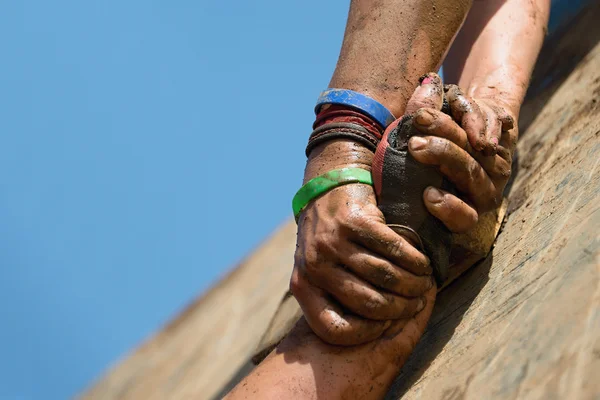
[
  {"x": 387, "y": 324},
  {"x": 417, "y": 143},
  {"x": 424, "y": 118},
  {"x": 494, "y": 141},
  {"x": 426, "y": 80},
  {"x": 421, "y": 304},
  {"x": 430, "y": 283},
  {"x": 433, "y": 195}
]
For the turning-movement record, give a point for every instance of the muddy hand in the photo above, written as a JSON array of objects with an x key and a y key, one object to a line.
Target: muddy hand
[
  {"x": 484, "y": 120},
  {"x": 480, "y": 178},
  {"x": 352, "y": 274}
]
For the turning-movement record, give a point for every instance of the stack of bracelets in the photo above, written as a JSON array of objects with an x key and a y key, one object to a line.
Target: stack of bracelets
[{"x": 342, "y": 114}]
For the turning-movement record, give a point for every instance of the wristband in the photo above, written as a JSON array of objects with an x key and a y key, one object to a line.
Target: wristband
[
  {"x": 358, "y": 101},
  {"x": 324, "y": 183},
  {"x": 341, "y": 130}
]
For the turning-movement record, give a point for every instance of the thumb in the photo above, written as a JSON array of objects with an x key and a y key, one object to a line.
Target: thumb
[{"x": 429, "y": 94}]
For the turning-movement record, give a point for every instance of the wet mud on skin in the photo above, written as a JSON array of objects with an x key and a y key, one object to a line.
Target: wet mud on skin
[
  {"x": 412, "y": 37},
  {"x": 337, "y": 154}
]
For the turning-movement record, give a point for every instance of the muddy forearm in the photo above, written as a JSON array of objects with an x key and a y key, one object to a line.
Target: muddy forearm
[
  {"x": 337, "y": 154},
  {"x": 305, "y": 367},
  {"x": 495, "y": 51},
  {"x": 389, "y": 44}
]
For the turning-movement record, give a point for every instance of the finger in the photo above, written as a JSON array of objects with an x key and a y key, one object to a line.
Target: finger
[
  {"x": 328, "y": 320},
  {"x": 436, "y": 123},
  {"x": 459, "y": 167},
  {"x": 493, "y": 129},
  {"x": 396, "y": 327},
  {"x": 380, "y": 239},
  {"x": 380, "y": 272},
  {"x": 506, "y": 120},
  {"x": 470, "y": 117},
  {"x": 498, "y": 167},
  {"x": 402, "y": 338},
  {"x": 429, "y": 94},
  {"x": 457, "y": 215},
  {"x": 508, "y": 141},
  {"x": 360, "y": 298}
]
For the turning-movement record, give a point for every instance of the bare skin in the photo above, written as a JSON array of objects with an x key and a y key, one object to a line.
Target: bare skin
[
  {"x": 305, "y": 365},
  {"x": 342, "y": 236},
  {"x": 492, "y": 59}
]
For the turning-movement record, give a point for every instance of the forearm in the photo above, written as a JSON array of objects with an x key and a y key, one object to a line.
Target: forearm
[
  {"x": 305, "y": 367},
  {"x": 389, "y": 44},
  {"x": 495, "y": 51}
]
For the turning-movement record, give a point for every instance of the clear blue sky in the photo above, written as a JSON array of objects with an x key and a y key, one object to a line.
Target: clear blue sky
[{"x": 131, "y": 136}]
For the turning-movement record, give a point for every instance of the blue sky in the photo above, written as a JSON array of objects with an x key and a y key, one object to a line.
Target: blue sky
[{"x": 145, "y": 148}]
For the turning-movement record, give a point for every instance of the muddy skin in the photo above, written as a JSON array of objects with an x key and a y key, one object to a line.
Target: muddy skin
[
  {"x": 337, "y": 154},
  {"x": 389, "y": 44},
  {"x": 429, "y": 94}
]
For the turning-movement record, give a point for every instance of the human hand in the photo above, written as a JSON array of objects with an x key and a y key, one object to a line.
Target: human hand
[
  {"x": 362, "y": 371},
  {"x": 485, "y": 124},
  {"x": 352, "y": 274}
]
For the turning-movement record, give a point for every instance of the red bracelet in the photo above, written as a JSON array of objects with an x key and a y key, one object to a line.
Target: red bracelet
[
  {"x": 339, "y": 113},
  {"x": 338, "y": 121}
]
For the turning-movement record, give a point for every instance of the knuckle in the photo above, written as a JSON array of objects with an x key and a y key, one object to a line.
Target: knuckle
[
  {"x": 323, "y": 245},
  {"x": 492, "y": 202},
  {"x": 504, "y": 172},
  {"x": 356, "y": 220},
  {"x": 436, "y": 146},
  {"x": 362, "y": 224},
  {"x": 333, "y": 332},
  {"x": 423, "y": 264},
  {"x": 311, "y": 260},
  {"x": 473, "y": 170},
  {"x": 296, "y": 285},
  {"x": 382, "y": 274},
  {"x": 375, "y": 305},
  {"x": 446, "y": 147},
  {"x": 421, "y": 285},
  {"x": 396, "y": 248}
]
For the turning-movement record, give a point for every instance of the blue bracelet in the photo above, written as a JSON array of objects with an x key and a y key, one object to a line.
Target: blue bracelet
[{"x": 359, "y": 101}]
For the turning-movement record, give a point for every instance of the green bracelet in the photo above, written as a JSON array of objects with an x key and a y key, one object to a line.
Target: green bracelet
[{"x": 324, "y": 183}]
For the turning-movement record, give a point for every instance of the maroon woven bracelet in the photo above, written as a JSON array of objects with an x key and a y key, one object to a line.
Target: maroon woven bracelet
[
  {"x": 341, "y": 122},
  {"x": 341, "y": 130}
]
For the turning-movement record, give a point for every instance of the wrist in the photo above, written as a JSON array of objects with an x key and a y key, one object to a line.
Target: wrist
[
  {"x": 502, "y": 90},
  {"x": 337, "y": 154},
  {"x": 346, "y": 370}
]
